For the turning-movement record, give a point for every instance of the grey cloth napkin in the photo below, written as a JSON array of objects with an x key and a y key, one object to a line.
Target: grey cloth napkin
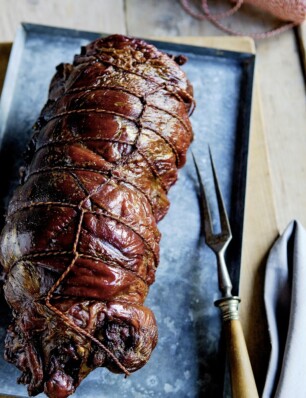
[{"x": 285, "y": 292}]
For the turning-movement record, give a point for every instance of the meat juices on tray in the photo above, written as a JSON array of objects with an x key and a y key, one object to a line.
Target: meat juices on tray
[{"x": 81, "y": 246}]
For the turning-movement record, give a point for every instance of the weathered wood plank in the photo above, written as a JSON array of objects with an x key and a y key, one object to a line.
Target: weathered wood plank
[
  {"x": 284, "y": 109},
  {"x": 167, "y": 18},
  {"x": 96, "y": 15},
  {"x": 242, "y": 44}
]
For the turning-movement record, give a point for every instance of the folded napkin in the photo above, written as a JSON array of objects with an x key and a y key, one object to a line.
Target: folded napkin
[{"x": 285, "y": 292}]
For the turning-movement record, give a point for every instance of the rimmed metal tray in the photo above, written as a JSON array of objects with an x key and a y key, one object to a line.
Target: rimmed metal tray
[{"x": 189, "y": 359}]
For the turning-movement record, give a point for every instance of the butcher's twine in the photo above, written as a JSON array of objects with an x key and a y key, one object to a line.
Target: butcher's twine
[{"x": 293, "y": 11}]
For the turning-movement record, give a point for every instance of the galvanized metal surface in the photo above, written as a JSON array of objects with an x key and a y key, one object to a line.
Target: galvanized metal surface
[{"x": 189, "y": 358}]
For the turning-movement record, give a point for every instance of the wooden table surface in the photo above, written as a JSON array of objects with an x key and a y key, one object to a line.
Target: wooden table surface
[{"x": 276, "y": 190}]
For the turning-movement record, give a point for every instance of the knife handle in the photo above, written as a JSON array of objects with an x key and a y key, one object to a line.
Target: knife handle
[{"x": 242, "y": 377}]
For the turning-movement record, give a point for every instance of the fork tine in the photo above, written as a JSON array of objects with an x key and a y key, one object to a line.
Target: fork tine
[
  {"x": 225, "y": 225},
  {"x": 216, "y": 241},
  {"x": 206, "y": 216}
]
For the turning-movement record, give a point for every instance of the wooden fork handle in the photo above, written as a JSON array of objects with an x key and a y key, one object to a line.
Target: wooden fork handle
[{"x": 242, "y": 377}]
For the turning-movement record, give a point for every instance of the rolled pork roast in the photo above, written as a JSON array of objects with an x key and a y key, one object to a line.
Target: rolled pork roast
[{"x": 80, "y": 246}]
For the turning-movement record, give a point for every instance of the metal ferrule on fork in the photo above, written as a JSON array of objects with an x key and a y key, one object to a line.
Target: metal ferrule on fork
[{"x": 229, "y": 307}]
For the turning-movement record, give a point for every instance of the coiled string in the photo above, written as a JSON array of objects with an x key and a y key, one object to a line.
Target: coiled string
[{"x": 284, "y": 9}]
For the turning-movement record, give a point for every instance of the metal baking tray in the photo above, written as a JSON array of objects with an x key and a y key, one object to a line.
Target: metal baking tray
[{"x": 189, "y": 360}]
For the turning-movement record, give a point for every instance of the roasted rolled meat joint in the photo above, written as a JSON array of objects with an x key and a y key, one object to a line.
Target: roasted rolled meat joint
[{"x": 81, "y": 246}]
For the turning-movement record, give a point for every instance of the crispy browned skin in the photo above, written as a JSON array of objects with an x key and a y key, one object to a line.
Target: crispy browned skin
[{"x": 81, "y": 246}]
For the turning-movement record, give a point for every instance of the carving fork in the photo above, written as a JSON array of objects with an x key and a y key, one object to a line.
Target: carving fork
[{"x": 242, "y": 377}]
